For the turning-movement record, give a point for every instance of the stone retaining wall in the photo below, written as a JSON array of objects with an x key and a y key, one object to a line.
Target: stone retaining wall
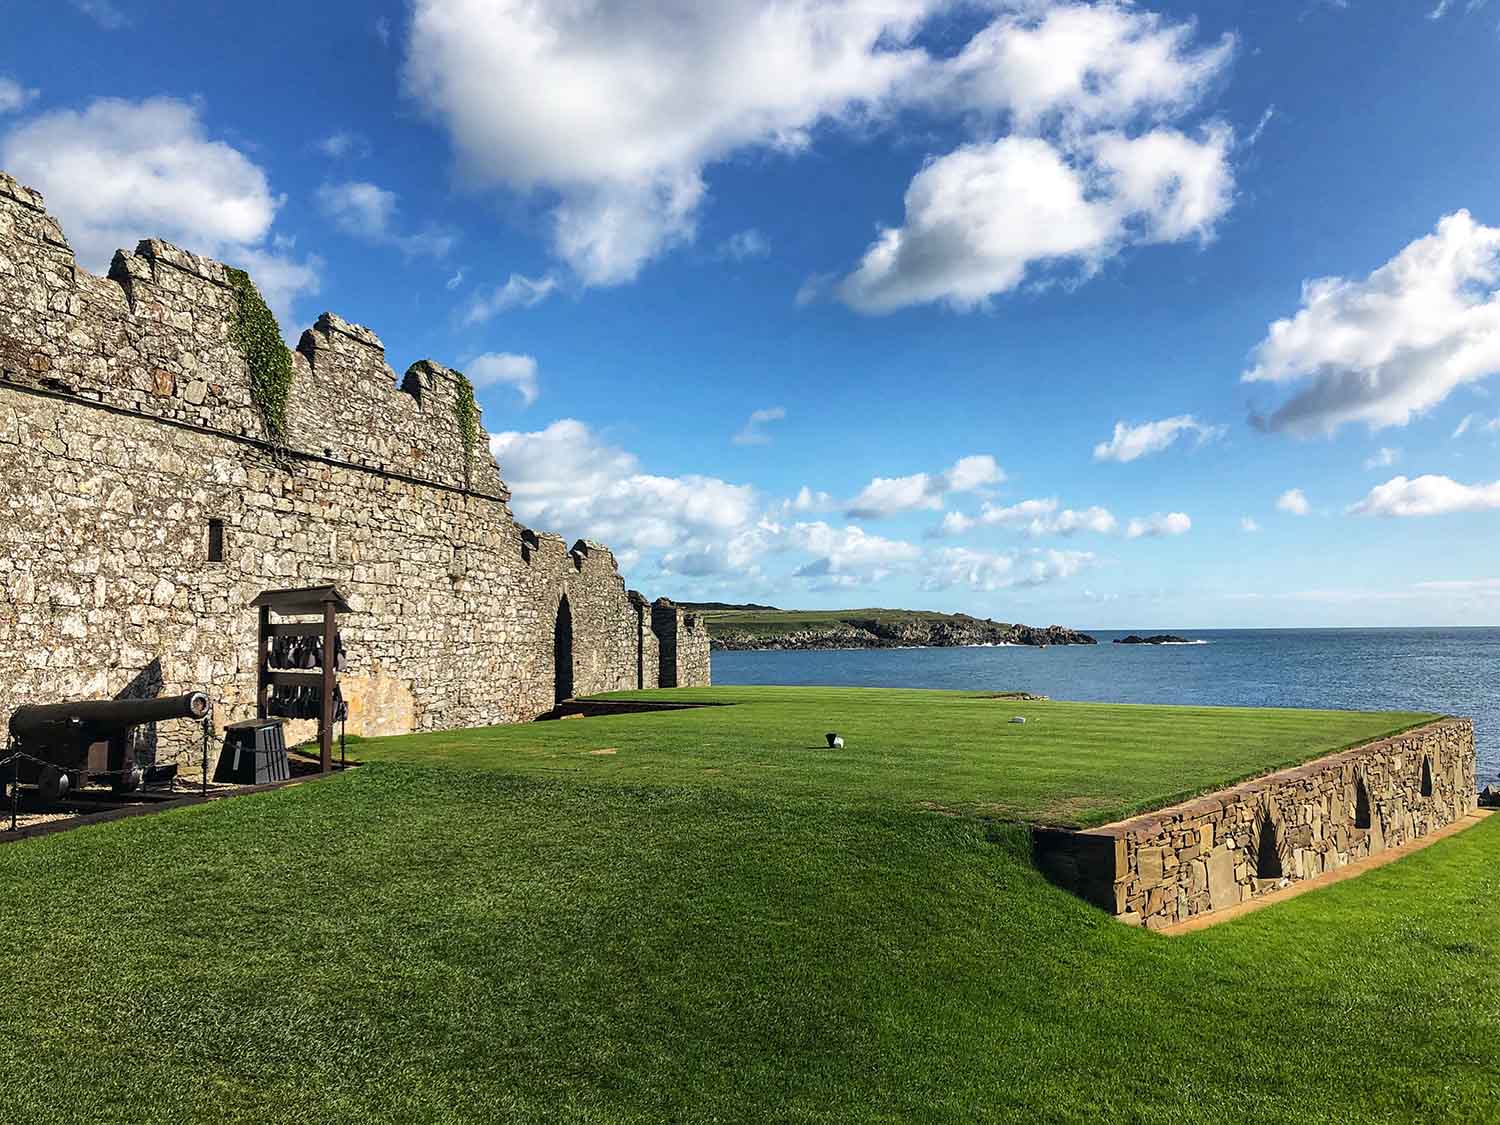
[
  {"x": 127, "y": 425},
  {"x": 1222, "y": 849}
]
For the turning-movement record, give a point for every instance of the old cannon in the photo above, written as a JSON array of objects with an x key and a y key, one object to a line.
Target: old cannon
[{"x": 70, "y": 745}]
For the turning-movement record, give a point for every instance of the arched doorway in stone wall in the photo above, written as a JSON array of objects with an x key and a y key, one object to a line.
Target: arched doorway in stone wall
[{"x": 562, "y": 652}]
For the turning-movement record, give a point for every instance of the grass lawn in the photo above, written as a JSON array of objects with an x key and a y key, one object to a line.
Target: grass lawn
[
  {"x": 1069, "y": 764},
  {"x": 502, "y": 926},
  {"x": 421, "y": 944}
]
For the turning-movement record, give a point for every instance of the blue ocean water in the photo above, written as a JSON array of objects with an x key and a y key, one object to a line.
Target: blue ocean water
[{"x": 1456, "y": 671}]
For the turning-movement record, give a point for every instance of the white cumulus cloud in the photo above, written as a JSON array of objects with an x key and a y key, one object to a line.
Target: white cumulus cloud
[
  {"x": 615, "y": 112},
  {"x": 808, "y": 500},
  {"x": 1383, "y": 458},
  {"x": 999, "y": 570},
  {"x": 1082, "y": 65},
  {"x": 850, "y": 554},
  {"x": 1428, "y": 495},
  {"x": 749, "y": 243},
  {"x": 120, "y": 171},
  {"x": 518, "y": 292},
  {"x": 1392, "y": 345},
  {"x": 1131, "y": 442},
  {"x": 1158, "y": 525},
  {"x": 889, "y": 496},
  {"x": 565, "y": 478},
  {"x": 1038, "y": 517},
  {"x": 618, "y": 107},
  {"x": 14, "y": 96},
  {"x": 981, "y": 219},
  {"x": 369, "y": 211},
  {"x": 1293, "y": 501},
  {"x": 343, "y": 143},
  {"x": 1091, "y": 163},
  {"x": 506, "y": 369}
]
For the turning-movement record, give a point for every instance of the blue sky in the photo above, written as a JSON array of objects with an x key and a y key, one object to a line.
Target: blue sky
[{"x": 961, "y": 306}]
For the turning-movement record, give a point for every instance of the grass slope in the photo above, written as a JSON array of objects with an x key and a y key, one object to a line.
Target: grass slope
[
  {"x": 418, "y": 944},
  {"x": 1070, "y": 763}
]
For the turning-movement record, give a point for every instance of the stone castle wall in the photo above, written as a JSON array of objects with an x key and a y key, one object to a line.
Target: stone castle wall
[
  {"x": 1224, "y": 849},
  {"x": 127, "y": 424}
]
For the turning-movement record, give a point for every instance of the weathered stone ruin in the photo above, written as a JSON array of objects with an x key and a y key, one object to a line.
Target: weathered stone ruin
[
  {"x": 147, "y": 499},
  {"x": 1223, "y": 849}
]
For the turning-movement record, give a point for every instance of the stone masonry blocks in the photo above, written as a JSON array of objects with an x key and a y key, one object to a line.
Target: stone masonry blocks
[
  {"x": 127, "y": 423},
  {"x": 1224, "y": 848}
]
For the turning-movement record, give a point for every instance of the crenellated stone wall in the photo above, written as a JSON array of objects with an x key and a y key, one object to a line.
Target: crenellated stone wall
[
  {"x": 127, "y": 424},
  {"x": 1225, "y": 848}
]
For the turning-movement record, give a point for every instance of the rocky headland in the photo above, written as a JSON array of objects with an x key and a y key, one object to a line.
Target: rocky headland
[{"x": 927, "y": 630}]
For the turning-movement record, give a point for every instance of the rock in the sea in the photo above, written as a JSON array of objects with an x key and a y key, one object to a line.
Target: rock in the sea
[{"x": 1154, "y": 639}]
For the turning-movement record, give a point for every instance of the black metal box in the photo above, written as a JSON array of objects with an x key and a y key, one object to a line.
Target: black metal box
[{"x": 254, "y": 753}]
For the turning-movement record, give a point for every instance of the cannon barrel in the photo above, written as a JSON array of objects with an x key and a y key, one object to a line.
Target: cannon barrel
[{"x": 42, "y": 719}]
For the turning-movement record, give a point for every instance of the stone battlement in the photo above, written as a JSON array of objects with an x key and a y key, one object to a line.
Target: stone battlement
[{"x": 154, "y": 337}]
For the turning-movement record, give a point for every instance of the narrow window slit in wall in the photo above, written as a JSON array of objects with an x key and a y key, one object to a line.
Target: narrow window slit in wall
[
  {"x": 1267, "y": 851},
  {"x": 562, "y": 653},
  {"x": 215, "y": 540},
  {"x": 1361, "y": 804},
  {"x": 1427, "y": 776}
]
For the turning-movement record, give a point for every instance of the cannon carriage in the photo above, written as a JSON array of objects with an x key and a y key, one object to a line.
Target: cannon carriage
[{"x": 67, "y": 746}]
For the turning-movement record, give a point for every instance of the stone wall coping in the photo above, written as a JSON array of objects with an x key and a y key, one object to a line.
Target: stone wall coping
[
  {"x": 157, "y": 251},
  {"x": 27, "y": 197},
  {"x": 1148, "y": 825},
  {"x": 330, "y": 322}
]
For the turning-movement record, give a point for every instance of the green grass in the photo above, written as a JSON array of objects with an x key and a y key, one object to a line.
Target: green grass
[
  {"x": 1069, "y": 764},
  {"x": 437, "y": 944}
]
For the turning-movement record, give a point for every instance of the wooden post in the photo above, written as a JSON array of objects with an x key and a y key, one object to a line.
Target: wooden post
[
  {"x": 263, "y": 665},
  {"x": 330, "y": 650}
]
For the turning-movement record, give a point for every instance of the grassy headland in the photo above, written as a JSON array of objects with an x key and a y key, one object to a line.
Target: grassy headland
[{"x": 756, "y": 627}]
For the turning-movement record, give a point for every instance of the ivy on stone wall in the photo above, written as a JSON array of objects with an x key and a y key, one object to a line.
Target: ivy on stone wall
[
  {"x": 258, "y": 337},
  {"x": 467, "y": 413}
]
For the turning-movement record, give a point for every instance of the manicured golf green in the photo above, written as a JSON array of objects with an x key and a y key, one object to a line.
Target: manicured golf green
[
  {"x": 410, "y": 943},
  {"x": 1068, "y": 764}
]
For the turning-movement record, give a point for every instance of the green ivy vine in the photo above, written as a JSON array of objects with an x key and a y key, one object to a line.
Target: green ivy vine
[
  {"x": 467, "y": 413},
  {"x": 258, "y": 337}
]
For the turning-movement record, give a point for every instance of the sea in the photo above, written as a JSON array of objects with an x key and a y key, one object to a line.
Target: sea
[{"x": 1453, "y": 671}]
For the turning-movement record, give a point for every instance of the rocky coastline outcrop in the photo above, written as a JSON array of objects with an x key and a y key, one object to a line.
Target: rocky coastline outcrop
[
  {"x": 1154, "y": 639},
  {"x": 914, "y": 632}
]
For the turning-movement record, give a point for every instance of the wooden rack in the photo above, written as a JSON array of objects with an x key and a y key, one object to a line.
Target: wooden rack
[{"x": 326, "y": 603}]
